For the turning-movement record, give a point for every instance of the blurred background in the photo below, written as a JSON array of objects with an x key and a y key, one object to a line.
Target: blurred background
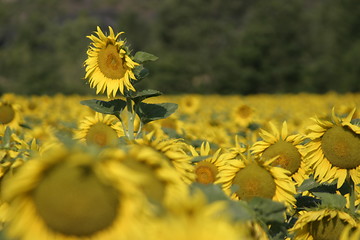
[{"x": 204, "y": 46}]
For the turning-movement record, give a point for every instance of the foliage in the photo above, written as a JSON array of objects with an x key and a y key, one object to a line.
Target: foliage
[{"x": 238, "y": 47}]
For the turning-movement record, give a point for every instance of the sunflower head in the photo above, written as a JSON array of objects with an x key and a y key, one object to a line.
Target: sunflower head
[
  {"x": 334, "y": 150},
  {"x": 10, "y": 115},
  {"x": 251, "y": 176},
  {"x": 109, "y": 66},
  {"x": 322, "y": 224},
  {"x": 100, "y": 130},
  {"x": 73, "y": 194}
]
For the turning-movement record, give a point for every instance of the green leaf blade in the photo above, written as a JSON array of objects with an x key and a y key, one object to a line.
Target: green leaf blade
[
  {"x": 149, "y": 112},
  {"x": 142, "y": 57},
  {"x": 113, "y": 107}
]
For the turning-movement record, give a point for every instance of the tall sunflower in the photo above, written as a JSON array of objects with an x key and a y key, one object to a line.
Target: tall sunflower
[
  {"x": 100, "y": 130},
  {"x": 334, "y": 149},
  {"x": 207, "y": 170},
  {"x": 109, "y": 65},
  {"x": 287, "y": 148},
  {"x": 74, "y": 194},
  {"x": 251, "y": 177},
  {"x": 325, "y": 223}
]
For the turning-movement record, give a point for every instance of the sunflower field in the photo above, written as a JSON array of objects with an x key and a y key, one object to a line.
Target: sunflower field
[{"x": 137, "y": 164}]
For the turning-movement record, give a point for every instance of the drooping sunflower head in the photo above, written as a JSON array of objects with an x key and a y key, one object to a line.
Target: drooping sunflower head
[
  {"x": 101, "y": 130},
  {"x": 109, "y": 66},
  {"x": 251, "y": 177},
  {"x": 73, "y": 194},
  {"x": 287, "y": 149},
  {"x": 322, "y": 224},
  {"x": 334, "y": 149}
]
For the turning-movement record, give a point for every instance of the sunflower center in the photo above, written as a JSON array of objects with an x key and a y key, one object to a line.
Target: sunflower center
[
  {"x": 152, "y": 186},
  {"x": 327, "y": 228},
  {"x": 110, "y": 62},
  {"x": 289, "y": 156},
  {"x": 7, "y": 114},
  {"x": 71, "y": 200},
  {"x": 254, "y": 181},
  {"x": 206, "y": 172},
  {"x": 244, "y": 111},
  {"x": 341, "y": 147},
  {"x": 102, "y": 135}
]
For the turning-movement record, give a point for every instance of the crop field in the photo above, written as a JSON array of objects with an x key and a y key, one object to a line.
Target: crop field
[{"x": 180, "y": 167}]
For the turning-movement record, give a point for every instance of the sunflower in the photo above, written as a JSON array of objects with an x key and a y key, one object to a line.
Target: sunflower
[
  {"x": 207, "y": 170},
  {"x": 109, "y": 65},
  {"x": 350, "y": 233},
  {"x": 242, "y": 115},
  {"x": 334, "y": 149},
  {"x": 162, "y": 183},
  {"x": 172, "y": 150},
  {"x": 326, "y": 223},
  {"x": 99, "y": 130},
  {"x": 192, "y": 217},
  {"x": 10, "y": 115},
  {"x": 287, "y": 148},
  {"x": 74, "y": 194},
  {"x": 189, "y": 104},
  {"x": 251, "y": 177}
]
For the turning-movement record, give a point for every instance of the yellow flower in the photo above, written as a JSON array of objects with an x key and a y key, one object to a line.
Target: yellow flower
[
  {"x": 254, "y": 177},
  {"x": 99, "y": 130},
  {"x": 350, "y": 233},
  {"x": 172, "y": 150},
  {"x": 162, "y": 183},
  {"x": 109, "y": 66},
  {"x": 74, "y": 194},
  {"x": 242, "y": 115},
  {"x": 189, "y": 104},
  {"x": 334, "y": 149},
  {"x": 324, "y": 224},
  {"x": 192, "y": 217},
  {"x": 287, "y": 148},
  {"x": 207, "y": 170},
  {"x": 10, "y": 115}
]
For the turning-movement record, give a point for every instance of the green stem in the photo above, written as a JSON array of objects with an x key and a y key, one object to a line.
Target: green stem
[
  {"x": 123, "y": 126},
  {"x": 352, "y": 193},
  {"x": 130, "y": 116}
]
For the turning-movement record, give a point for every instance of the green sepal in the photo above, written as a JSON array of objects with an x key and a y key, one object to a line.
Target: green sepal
[
  {"x": 144, "y": 94},
  {"x": 149, "y": 112},
  {"x": 113, "y": 107},
  {"x": 331, "y": 199},
  {"x": 141, "y": 57}
]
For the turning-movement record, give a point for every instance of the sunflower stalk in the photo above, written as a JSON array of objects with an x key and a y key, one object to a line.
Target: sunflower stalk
[
  {"x": 131, "y": 118},
  {"x": 352, "y": 193}
]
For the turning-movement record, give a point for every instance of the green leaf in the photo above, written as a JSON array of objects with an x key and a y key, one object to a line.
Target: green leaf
[
  {"x": 213, "y": 192},
  {"x": 142, "y": 57},
  {"x": 331, "y": 199},
  {"x": 140, "y": 73},
  {"x": 113, "y": 107},
  {"x": 141, "y": 95},
  {"x": 308, "y": 184},
  {"x": 268, "y": 210},
  {"x": 6, "y": 138},
  {"x": 149, "y": 112},
  {"x": 355, "y": 121}
]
